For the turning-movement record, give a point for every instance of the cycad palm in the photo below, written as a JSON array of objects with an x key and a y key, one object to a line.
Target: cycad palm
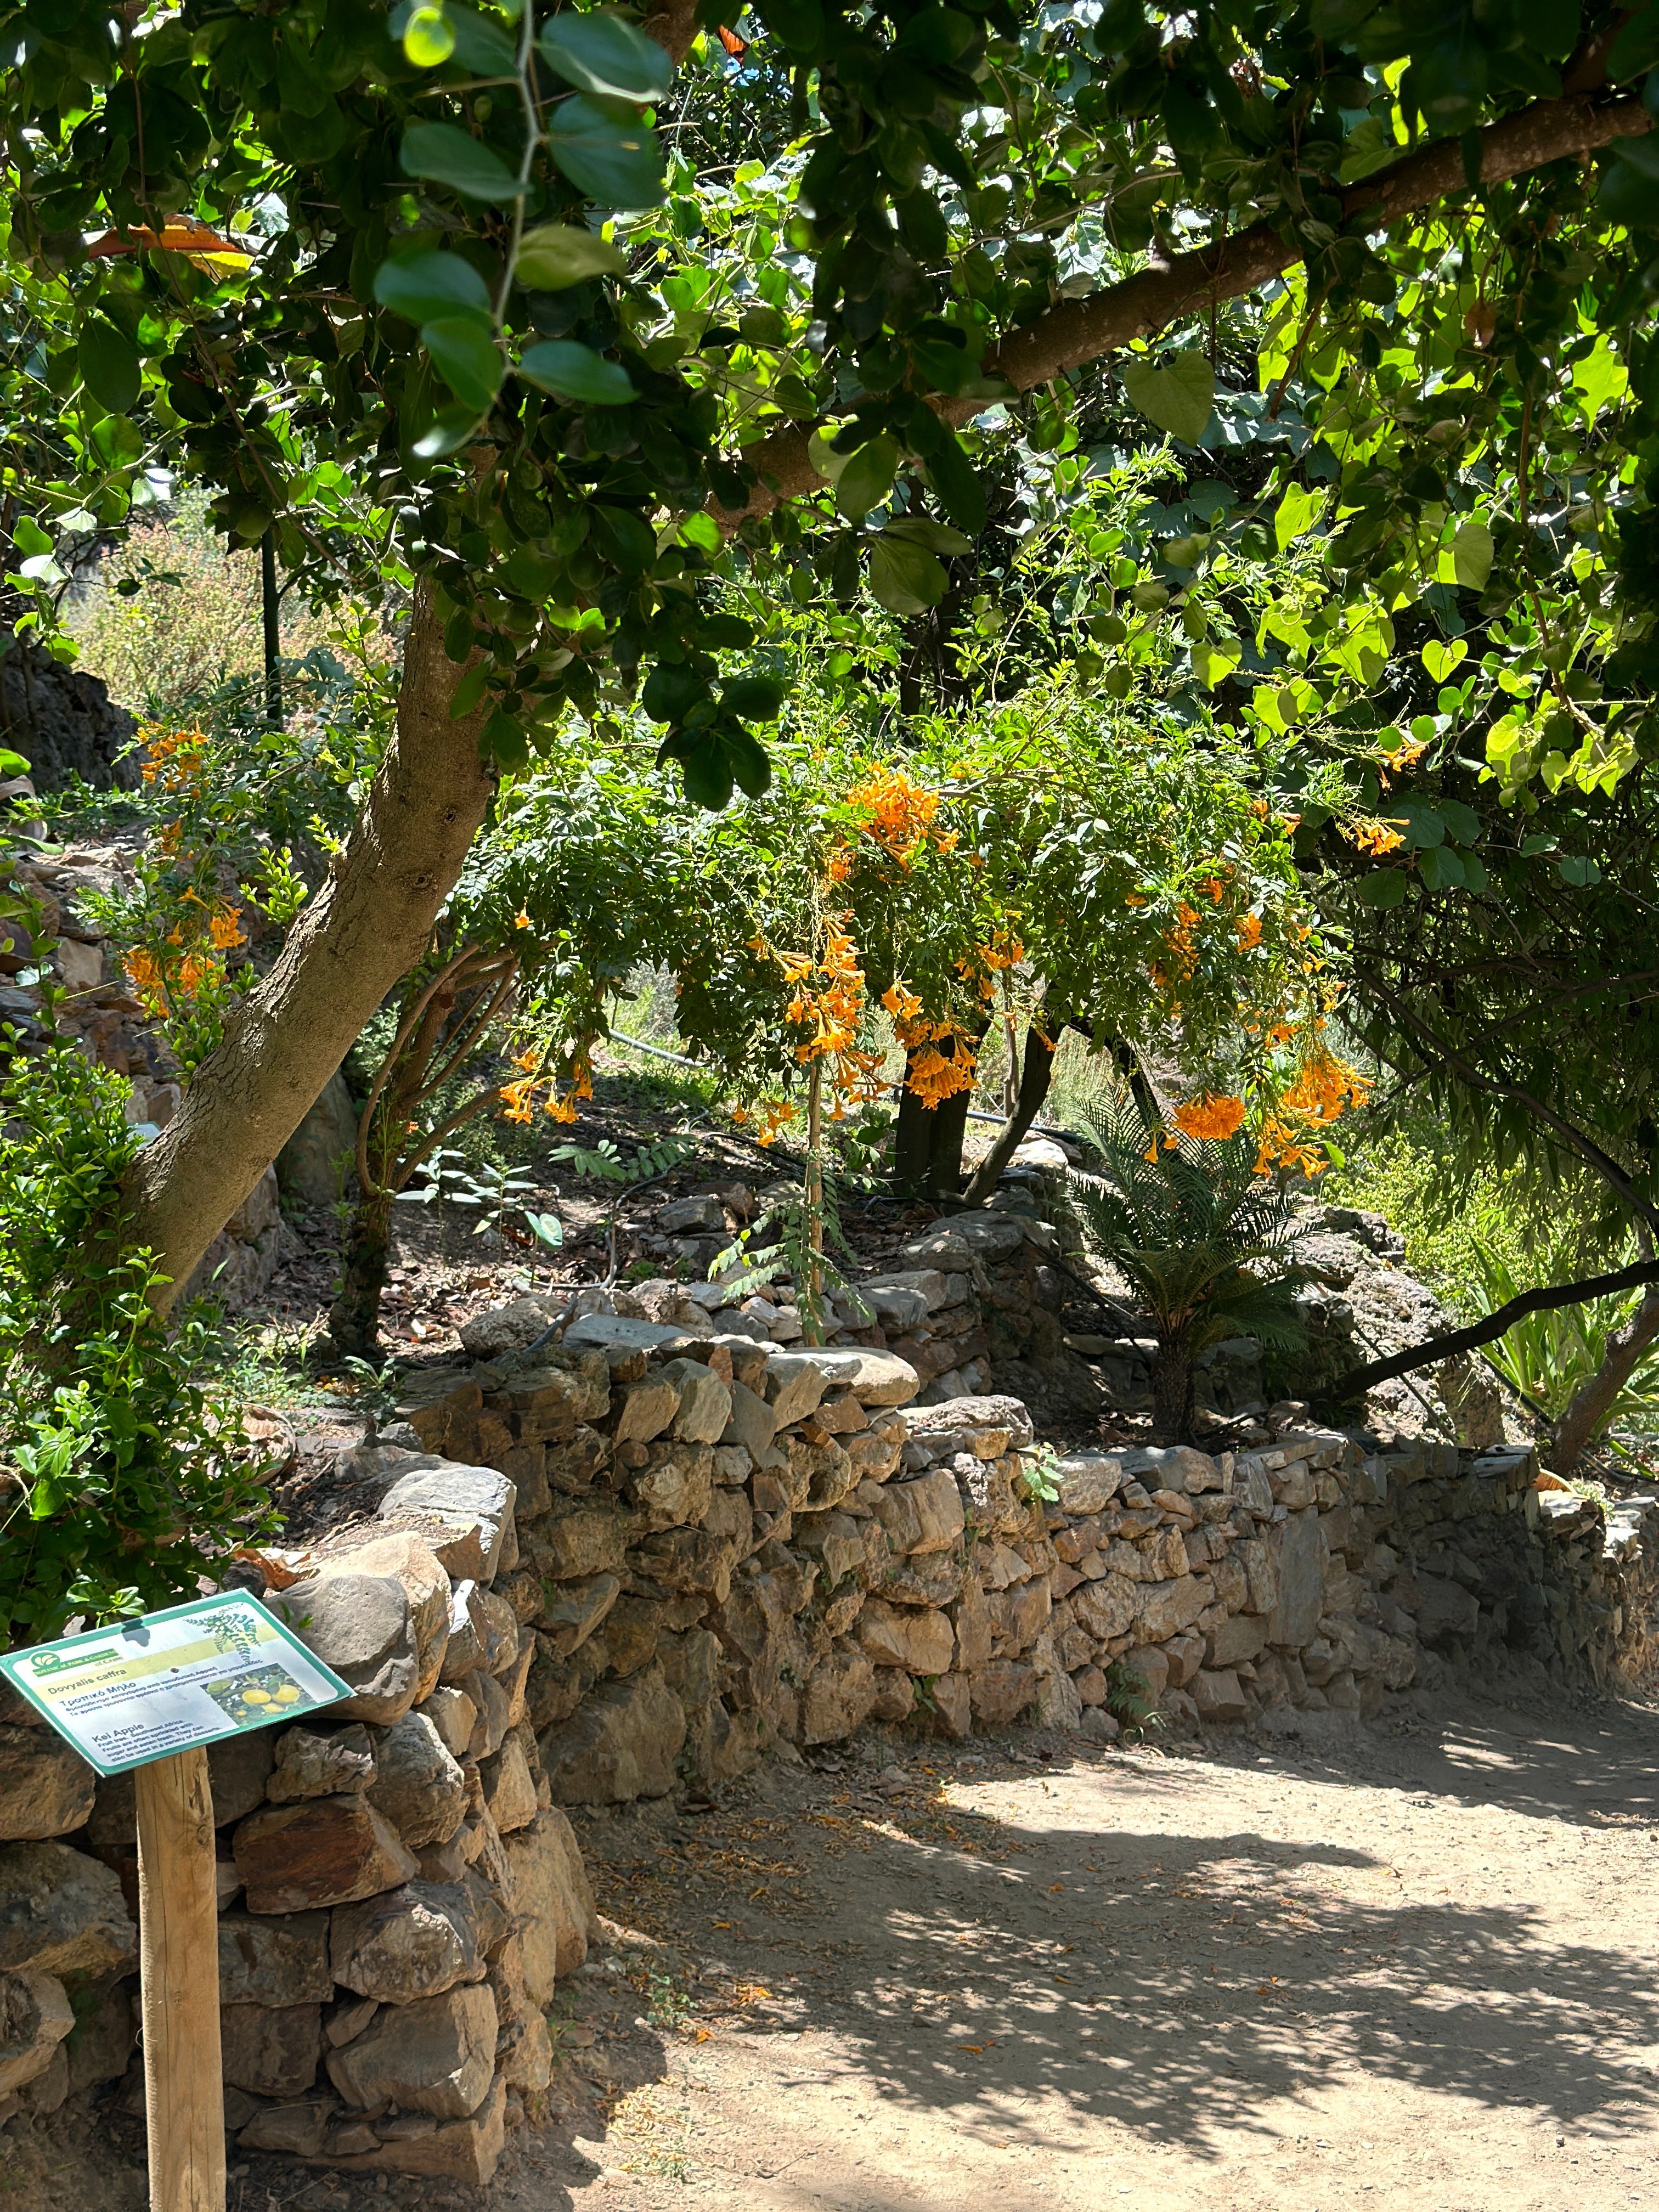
[{"x": 1204, "y": 1241}]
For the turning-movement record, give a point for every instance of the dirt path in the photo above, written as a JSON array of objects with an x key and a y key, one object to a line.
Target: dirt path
[
  {"x": 1409, "y": 1971},
  {"x": 1413, "y": 1970}
]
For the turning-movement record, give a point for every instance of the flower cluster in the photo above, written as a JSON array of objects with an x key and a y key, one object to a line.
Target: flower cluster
[
  {"x": 898, "y": 815},
  {"x": 827, "y": 1008},
  {"x": 1215, "y": 1115},
  {"x": 175, "y": 758},
  {"x": 519, "y": 1099},
  {"x": 1373, "y": 836},
  {"x": 1324, "y": 1090},
  {"x": 187, "y": 965}
]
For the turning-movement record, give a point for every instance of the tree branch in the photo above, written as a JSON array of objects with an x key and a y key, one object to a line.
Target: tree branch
[
  {"x": 1078, "y": 331},
  {"x": 1544, "y": 1300}
]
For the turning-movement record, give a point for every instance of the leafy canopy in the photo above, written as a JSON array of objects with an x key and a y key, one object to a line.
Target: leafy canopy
[{"x": 434, "y": 294}]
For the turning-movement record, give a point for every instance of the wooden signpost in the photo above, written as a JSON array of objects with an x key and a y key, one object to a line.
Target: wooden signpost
[{"x": 146, "y": 1697}]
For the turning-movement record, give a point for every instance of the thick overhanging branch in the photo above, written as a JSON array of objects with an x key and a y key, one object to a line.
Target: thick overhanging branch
[
  {"x": 1495, "y": 1325},
  {"x": 1078, "y": 331}
]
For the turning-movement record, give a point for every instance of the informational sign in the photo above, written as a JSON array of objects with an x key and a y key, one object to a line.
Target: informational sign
[{"x": 173, "y": 1681}]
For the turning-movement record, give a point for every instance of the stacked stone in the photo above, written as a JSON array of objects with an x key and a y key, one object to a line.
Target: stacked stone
[{"x": 397, "y": 1892}]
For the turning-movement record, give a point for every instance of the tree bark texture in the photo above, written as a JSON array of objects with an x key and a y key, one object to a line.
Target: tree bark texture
[
  {"x": 1037, "y": 1067},
  {"x": 353, "y": 1319},
  {"x": 1577, "y": 1426},
  {"x": 1077, "y": 332},
  {"x": 363, "y": 930},
  {"x": 927, "y": 1142},
  {"x": 1174, "y": 1402}
]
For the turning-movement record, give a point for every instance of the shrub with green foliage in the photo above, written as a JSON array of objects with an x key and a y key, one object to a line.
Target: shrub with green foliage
[{"x": 125, "y": 1478}]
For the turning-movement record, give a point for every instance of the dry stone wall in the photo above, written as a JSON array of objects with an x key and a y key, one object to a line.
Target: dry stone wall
[{"x": 636, "y": 1558}]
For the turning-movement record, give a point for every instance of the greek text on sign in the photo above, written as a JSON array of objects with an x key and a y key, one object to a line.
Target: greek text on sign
[{"x": 146, "y": 1688}]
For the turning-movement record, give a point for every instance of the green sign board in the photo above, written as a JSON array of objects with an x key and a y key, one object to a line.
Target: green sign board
[{"x": 143, "y": 1689}]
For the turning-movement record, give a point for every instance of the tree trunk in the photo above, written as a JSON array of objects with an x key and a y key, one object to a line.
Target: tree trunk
[
  {"x": 353, "y": 1319},
  {"x": 928, "y": 1143},
  {"x": 1174, "y": 1406},
  {"x": 1036, "y": 1069},
  {"x": 364, "y": 929},
  {"x": 1577, "y": 1426}
]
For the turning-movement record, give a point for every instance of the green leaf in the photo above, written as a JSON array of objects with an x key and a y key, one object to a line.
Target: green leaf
[
  {"x": 867, "y": 477},
  {"x": 922, "y": 530},
  {"x": 754, "y": 698},
  {"x": 1463, "y": 822},
  {"x": 466, "y": 356},
  {"x": 1296, "y": 515},
  {"x": 671, "y": 689},
  {"x": 27, "y": 536},
  {"x": 1441, "y": 656},
  {"x": 1216, "y": 659},
  {"x": 1472, "y": 554},
  {"x": 450, "y": 430},
  {"x": 746, "y": 757},
  {"x": 602, "y": 53},
  {"x": 468, "y": 692},
  {"x": 1385, "y": 888},
  {"x": 482, "y": 45},
  {"x": 444, "y": 154},
  {"x": 504, "y": 741},
  {"x": 1176, "y": 397},
  {"x": 1441, "y": 869},
  {"x": 905, "y": 579},
  {"x": 576, "y": 372},
  {"x": 428, "y": 38},
  {"x": 617, "y": 162},
  {"x": 626, "y": 537},
  {"x": 559, "y": 254},
  {"x": 1578, "y": 870},
  {"x": 958, "y": 484},
  {"x": 109, "y": 365},
  {"x": 1636, "y": 49},
  {"x": 424, "y": 287}
]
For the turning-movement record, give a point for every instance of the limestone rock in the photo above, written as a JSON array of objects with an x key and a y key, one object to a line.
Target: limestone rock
[
  {"x": 895, "y": 1695},
  {"x": 417, "y": 1785},
  {"x": 840, "y": 1692},
  {"x": 61, "y": 1913},
  {"x": 239, "y": 1773},
  {"x": 921, "y": 1515},
  {"x": 752, "y": 1423},
  {"x": 915, "y": 1637},
  {"x": 1295, "y": 1617},
  {"x": 998, "y": 1693},
  {"x": 1105, "y": 1608},
  {"x": 471, "y": 1505},
  {"x": 1164, "y": 1609},
  {"x": 45, "y": 1787},
  {"x": 435, "y": 2055},
  {"x": 271, "y": 2051},
  {"x": 320, "y": 1763},
  {"x": 508, "y": 1327},
  {"x": 690, "y": 1216},
  {"x": 705, "y": 1401},
  {"x": 426, "y": 1583},
  {"x": 99, "y": 2048},
  {"x": 551, "y": 1903},
  {"x": 875, "y": 1378},
  {"x": 952, "y": 1707},
  {"x": 467, "y": 2151},
  {"x": 494, "y": 1710},
  {"x": 620, "y": 1743},
  {"x": 412, "y": 1942},
  {"x": 35, "y": 2016},
  {"x": 588, "y": 1536},
  {"x": 508, "y": 1787},
  {"x": 1217, "y": 1694},
  {"x": 326, "y": 1851},
  {"x": 673, "y": 1489},
  {"x": 648, "y": 1408},
  {"x": 1447, "y": 1610},
  {"x": 363, "y": 1627},
  {"x": 454, "y": 1714},
  {"x": 795, "y": 1382},
  {"x": 274, "y": 1961},
  {"x": 574, "y": 1610},
  {"x": 312, "y": 1164},
  {"x": 1240, "y": 1637},
  {"x": 972, "y": 1618},
  {"x": 1088, "y": 1480}
]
